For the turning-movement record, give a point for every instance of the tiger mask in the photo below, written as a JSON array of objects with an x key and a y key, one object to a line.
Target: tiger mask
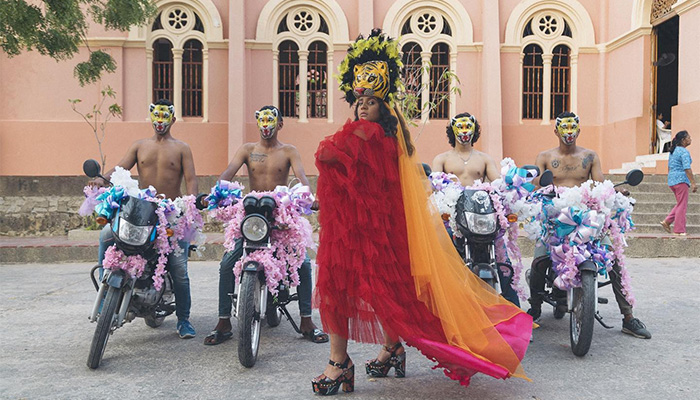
[{"x": 371, "y": 79}]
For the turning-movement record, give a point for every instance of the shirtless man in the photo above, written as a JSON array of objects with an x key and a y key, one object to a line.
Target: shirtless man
[
  {"x": 573, "y": 165},
  {"x": 463, "y": 160},
  {"x": 162, "y": 161},
  {"x": 469, "y": 165},
  {"x": 268, "y": 162}
]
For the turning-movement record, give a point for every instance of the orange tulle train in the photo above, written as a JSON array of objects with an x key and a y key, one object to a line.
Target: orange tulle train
[{"x": 385, "y": 260}]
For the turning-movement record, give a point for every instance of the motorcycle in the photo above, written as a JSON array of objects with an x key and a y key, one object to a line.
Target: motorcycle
[
  {"x": 134, "y": 286},
  {"x": 264, "y": 272},
  {"x": 580, "y": 296},
  {"x": 477, "y": 222}
]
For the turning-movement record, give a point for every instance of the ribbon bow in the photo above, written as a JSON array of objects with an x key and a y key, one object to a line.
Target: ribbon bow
[
  {"x": 109, "y": 201},
  {"x": 224, "y": 194},
  {"x": 579, "y": 226},
  {"x": 298, "y": 196},
  {"x": 519, "y": 179}
]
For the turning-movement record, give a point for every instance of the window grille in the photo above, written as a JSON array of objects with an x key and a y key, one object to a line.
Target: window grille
[
  {"x": 532, "y": 82},
  {"x": 561, "y": 87},
  {"x": 162, "y": 70},
  {"x": 288, "y": 74},
  {"x": 439, "y": 86},
  {"x": 317, "y": 81},
  {"x": 192, "y": 67}
]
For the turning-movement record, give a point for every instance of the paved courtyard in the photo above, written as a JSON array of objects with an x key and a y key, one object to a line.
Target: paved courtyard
[{"x": 45, "y": 338}]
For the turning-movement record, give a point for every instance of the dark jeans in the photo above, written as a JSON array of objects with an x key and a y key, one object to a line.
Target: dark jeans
[
  {"x": 226, "y": 283},
  {"x": 538, "y": 278},
  {"x": 177, "y": 266}
]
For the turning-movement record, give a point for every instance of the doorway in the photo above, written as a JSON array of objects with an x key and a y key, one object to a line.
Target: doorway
[{"x": 665, "y": 67}]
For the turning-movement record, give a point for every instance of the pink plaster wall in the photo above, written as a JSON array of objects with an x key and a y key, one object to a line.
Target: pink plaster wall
[
  {"x": 689, "y": 57},
  {"x": 60, "y": 147},
  {"x": 687, "y": 117}
]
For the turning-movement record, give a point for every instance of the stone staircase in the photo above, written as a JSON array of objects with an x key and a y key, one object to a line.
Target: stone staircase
[{"x": 649, "y": 163}]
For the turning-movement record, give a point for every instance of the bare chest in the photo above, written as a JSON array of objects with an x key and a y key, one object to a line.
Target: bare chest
[{"x": 159, "y": 157}]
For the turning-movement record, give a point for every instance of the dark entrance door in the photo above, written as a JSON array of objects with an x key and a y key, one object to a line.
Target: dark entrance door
[{"x": 666, "y": 66}]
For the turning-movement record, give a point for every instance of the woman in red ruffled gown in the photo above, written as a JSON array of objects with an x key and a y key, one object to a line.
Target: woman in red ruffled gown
[{"x": 373, "y": 274}]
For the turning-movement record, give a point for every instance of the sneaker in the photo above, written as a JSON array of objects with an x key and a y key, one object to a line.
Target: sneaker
[
  {"x": 185, "y": 329},
  {"x": 636, "y": 328},
  {"x": 535, "y": 313}
]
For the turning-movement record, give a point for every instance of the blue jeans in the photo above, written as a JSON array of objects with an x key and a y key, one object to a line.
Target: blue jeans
[
  {"x": 226, "y": 283},
  {"x": 177, "y": 266}
]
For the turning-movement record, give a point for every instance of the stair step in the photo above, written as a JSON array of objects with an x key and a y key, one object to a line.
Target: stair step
[
  {"x": 645, "y": 246},
  {"x": 656, "y": 228},
  {"x": 655, "y": 218},
  {"x": 653, "y": 197}
]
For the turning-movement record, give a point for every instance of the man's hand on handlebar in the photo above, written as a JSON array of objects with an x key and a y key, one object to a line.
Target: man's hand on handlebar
[
  {"x": 315, "y": 205},
  {"x": 98, "y": 182}
]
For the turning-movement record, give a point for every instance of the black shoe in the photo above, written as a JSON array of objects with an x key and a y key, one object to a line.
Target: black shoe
[
  {"x": 535, "y": 312},
  {"x": 636, "y": 328}
]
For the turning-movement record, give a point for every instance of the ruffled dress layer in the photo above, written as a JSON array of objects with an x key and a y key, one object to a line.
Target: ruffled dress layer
[{"x": 367, "y": 278}]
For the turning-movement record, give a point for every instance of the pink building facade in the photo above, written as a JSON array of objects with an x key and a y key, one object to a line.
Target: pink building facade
[{"x": 518, "y": 62}]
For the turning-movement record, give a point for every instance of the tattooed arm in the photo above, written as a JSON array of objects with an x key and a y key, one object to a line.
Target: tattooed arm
[
  {"x": 592, "y": 161},
  {"x": 237, "y": 162}
]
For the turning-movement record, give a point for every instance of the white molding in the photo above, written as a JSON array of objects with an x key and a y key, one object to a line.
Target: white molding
[
  {"x": 453, "y": 11},
  {"x": 575, "y": 14},
  {"x": 207, "y": 11},
  {"x": 273, "y": 11},
  {"x": 624, "y": 39}
]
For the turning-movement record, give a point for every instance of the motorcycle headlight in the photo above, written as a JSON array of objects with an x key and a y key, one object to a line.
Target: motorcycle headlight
[
  {"x": 133, "y": 234},
  {"x": 254, "y": 228},
  {"x": 481, "y": 224}
]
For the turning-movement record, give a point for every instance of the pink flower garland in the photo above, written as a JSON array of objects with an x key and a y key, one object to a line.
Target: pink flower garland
[
  {"x": 116, "y": 259},
  {"x": 287, "y": 252}
]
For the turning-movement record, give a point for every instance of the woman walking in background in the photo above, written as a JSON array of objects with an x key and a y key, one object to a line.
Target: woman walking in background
[{"x": 680, "y": 179}]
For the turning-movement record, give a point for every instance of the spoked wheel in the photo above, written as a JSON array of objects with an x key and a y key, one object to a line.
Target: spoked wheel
[
  {"x": 249, "y": 318},
  {"x": 104, "y": 327},
  {"x": 274, "y": 314},
  {"x": 583, "y": 314}
]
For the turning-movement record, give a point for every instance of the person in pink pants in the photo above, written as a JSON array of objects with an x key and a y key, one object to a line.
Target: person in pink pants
[{"x": 680, "y": 180}]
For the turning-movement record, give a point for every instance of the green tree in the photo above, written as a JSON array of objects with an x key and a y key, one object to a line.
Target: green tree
[
  {"x": 57, "y": 27},
  {"x": 98, "y": 121}
]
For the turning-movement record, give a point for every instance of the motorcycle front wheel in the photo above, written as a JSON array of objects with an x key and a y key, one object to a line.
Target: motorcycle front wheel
[
  {"x": 583, "y": 314},
  {"x": 249, "y": 318},
  {"x": 104, "y": 327}
]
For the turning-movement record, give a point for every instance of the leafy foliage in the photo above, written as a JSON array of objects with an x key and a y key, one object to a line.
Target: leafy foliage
[
  {"x": 57, "y": 27},
  {"x": 98, "y": 122}
]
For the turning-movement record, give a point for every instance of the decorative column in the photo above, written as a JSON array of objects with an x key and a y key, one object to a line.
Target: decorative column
[
  {"x": 491, "y": 99},
  {"x": 149, "y": 77},
  {"x": 237, "y": 81},
  {"x": 453, "y": 95},
  {"x": 546, "y": 88},
  {"x": 303, "y": 84},
  {"x": 522, "y": 89},
  {"x": 177, "y": 80},
  {"x": 275, "y": 77},
  {"x": 425, "y": 79},
  {"x": 573, "y": 82},
  {"x": 365, "y": 17},
  {"x": 205, "y": 85},
  {"x": 329, "y": 82}
]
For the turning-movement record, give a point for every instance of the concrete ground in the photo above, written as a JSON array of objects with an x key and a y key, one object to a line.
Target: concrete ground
[{"x": 45, "y": 338}]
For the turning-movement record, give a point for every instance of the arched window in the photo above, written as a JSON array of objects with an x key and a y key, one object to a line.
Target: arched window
[
  {"x": 412, "y": 68},
  {"x": 162, "y": 70},
  {"x": 317, "y": 80},
  {"x": 427, "y": 43},
  {"x": 192, "y": 93},
  {"x": 561, "y": 81},
  {"x": 549, "y": 44},
  {"x": 288, "y": 73},
  {"x": 532, "y": 82},
  {"x": 439, "y": 84},
  {"x": 302, "y": 59}
]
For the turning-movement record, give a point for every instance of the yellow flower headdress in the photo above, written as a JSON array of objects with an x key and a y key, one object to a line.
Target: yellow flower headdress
[{"x": 371, "y": 67}]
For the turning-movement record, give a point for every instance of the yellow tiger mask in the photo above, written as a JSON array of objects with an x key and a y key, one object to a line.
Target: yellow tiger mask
[{"x": 371, "y": 79}]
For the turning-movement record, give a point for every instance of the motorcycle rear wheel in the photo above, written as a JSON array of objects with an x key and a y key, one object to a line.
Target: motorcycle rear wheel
[
  {"x": 104, "y": 327},
  {"x": 249, "y": 318},
  {"x": 583, "y": 314}
]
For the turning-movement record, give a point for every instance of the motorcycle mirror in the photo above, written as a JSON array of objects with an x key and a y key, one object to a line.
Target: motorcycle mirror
[
  {"x": 547, "y": 178},
  {"x": 529, "y": 167},
  {"x": 634, "y": 177},
  {"x": 91, "y": 168},
  {"x": 427, "y": 170}
]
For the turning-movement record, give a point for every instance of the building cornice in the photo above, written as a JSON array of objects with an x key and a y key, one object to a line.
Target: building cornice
[{"x": 97, "y": 42}]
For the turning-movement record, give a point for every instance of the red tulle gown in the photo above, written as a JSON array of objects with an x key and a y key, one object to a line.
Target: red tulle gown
[{"x": 364, "y": 274}]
